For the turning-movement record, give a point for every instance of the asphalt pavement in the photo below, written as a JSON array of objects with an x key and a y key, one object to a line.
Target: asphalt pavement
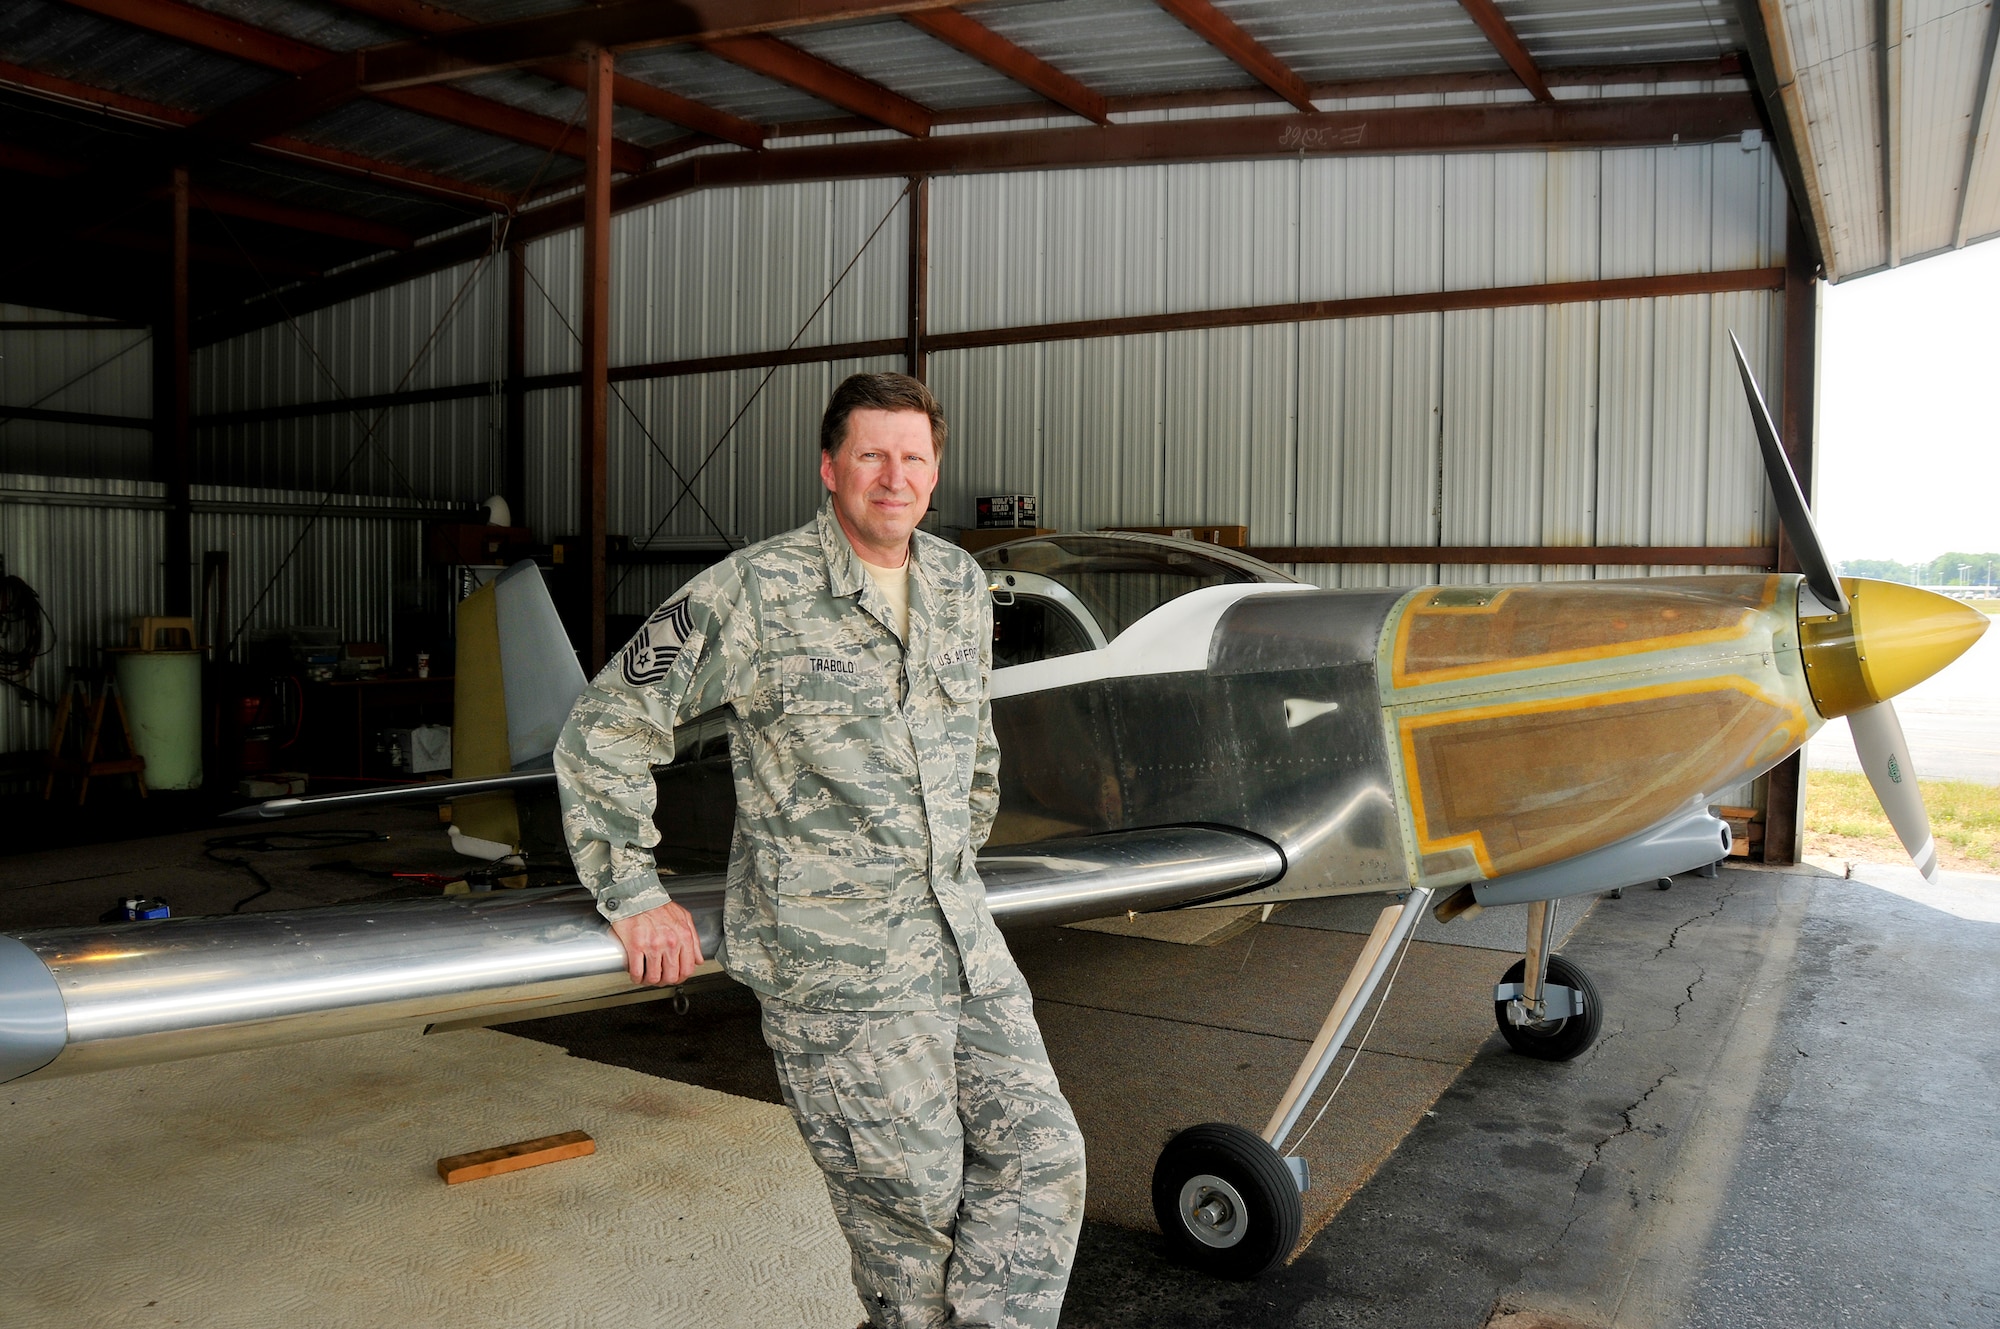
[{"x": 1787, "y": 1123}]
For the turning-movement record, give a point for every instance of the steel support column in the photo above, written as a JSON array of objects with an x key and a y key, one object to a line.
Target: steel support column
[
  {"x": 593, "y": 518},
  {"x": 171, "y": 440},
  {"x": 514, "y": 464},
  {"x": 919, "y": 284},
  {"x": 1785, "y": 788}
]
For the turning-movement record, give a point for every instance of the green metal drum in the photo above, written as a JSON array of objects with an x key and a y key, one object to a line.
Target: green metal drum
[{"x": 162, "y": 691}]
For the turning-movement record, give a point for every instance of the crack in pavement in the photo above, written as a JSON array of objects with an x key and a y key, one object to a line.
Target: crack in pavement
[
  {"x": 1673, "y": 938},
  {"x": 1597, "y": 1156},
  {"x": 1625, "y": 1114},
  {"x": 1682, "y": 1005}
]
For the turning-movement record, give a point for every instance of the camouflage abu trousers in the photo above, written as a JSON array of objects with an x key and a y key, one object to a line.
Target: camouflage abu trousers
[{"x": 954, "y": 1163}]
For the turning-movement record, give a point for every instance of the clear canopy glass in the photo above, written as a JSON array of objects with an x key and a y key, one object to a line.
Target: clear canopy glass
[{"x": 1120, "y": 578}]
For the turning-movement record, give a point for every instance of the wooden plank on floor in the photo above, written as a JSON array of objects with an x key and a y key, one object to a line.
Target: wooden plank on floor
[{"x": 514, "y": 1157}]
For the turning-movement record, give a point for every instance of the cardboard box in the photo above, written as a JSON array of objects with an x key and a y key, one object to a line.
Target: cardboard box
[
  {"x": 472, "y": 542},
  {"x": 418, "y": 751},
  {"x": 1008, "y": 512},
  {"x": 1746, "y": 830}
]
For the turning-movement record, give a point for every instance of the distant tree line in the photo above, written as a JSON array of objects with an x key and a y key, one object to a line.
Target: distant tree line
[{"x": 1949, "y": 569}]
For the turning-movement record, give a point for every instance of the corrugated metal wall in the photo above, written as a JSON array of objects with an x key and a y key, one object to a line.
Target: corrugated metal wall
[
  {"x": 1576, "y": 424},
  {"x": 1583, "y": 424},
  {"x": 443, "y": 330},
  {"x": 94, "y": 371},
  {"x": 91, "y": 550},
  {"x": 1619, "y": 423},
  {"x": 93, "y": 567}
]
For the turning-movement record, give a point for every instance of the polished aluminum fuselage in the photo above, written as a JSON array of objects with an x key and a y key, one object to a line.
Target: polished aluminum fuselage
[
  {"x": 1262, "y": 744},
  {"x": 1221, "y": 746}
]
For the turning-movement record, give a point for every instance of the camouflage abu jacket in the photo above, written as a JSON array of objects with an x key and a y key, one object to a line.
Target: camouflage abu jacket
[{"x": 866, "y": 771}]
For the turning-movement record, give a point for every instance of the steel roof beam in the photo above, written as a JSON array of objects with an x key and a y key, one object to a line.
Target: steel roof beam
[
  {"x": 663, "y": 104},
  {"x": 1221, "y": 32},
  {"x": 13, "y": 157},
  {"x": 1679, "y": 71},
  {"x": 223, "y": 256},
  {"x": 1889, "y": 73},
  {"x": 400, "y": 72},
  {"x": 828, "y": 82},
  {"x": 1607, "y": 123},
  {"x": 1024, "y": 67},
  {"x": 1501, "y": 34},
  {"x": 630, "y": 92},
  {"x": 620, "y": 25},
  {"x": 140, "y": 111},
  {"x": 320, "y": 82},
  {"x": 228, "y": 203},
  {"x": 1775, "y": 78}
]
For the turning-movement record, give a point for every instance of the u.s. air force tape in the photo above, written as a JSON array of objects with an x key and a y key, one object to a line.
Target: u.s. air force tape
[{"x": 653, "y": 650}]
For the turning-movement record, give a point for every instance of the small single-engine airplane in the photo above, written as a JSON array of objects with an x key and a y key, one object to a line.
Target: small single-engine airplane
[{"x": 1180, "y": 726}]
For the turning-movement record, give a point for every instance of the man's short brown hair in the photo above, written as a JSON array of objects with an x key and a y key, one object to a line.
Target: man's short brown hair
[{"x": 878, "y": 392}]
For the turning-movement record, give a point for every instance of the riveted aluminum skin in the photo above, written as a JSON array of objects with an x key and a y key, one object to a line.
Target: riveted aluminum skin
[{"x": 1222, "y": 746}]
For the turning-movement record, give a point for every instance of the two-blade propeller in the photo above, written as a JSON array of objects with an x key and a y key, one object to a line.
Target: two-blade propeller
[{"x": 1878, "y": 734}]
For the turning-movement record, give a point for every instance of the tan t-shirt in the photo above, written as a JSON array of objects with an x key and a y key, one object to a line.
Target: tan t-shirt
[{"x": 894, "y": 583}]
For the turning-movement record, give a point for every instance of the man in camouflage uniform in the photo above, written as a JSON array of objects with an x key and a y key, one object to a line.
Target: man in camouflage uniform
[{"x": 852, "y": 658}]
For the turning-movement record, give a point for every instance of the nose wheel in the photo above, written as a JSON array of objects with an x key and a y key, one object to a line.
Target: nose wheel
[
  {"x": 1560, "y": 1031},
  {"x": 1225, "y": 1201}
]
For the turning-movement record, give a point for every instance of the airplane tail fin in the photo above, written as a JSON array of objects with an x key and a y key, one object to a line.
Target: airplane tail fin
[{"x": 516, "y": 679}]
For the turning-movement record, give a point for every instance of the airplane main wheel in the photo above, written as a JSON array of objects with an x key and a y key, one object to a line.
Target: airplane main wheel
[
  {"x": 1225, "y": 1201},
  {"x": 1559, "y": 1039}
]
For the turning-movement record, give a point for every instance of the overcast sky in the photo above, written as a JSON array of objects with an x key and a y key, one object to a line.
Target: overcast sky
[{"x": 1909, "y": 445}]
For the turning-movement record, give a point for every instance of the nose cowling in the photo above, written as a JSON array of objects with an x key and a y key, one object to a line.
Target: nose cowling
[{"x": 1892, "y": 638}]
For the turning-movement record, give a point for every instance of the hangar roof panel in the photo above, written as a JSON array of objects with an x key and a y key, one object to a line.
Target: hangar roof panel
[
  {"x": 1121, "y": 48},
  {"x": 716, "y": 82},
  {"x": 1368, "y": 40},
  {"x": 918, "y": 66},
  {"x": 1867, "y": 117},
  {"x": 1892, "y": 108},
  {"x": 1572, "y": 32},
  {"x": 59, "y": 39}
]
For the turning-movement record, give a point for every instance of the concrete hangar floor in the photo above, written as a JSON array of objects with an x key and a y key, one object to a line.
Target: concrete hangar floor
[{"x": 1787, "y": 1121}]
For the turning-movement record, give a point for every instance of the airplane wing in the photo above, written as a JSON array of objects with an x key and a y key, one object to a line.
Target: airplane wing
[{"x": 84, "y": 999}]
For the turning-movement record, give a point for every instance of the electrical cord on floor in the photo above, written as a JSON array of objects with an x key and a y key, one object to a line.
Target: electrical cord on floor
[{"x": 278, "y": 842}]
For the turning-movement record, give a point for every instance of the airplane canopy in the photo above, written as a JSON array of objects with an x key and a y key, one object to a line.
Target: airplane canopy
[{"x": 1119, "y": 578}]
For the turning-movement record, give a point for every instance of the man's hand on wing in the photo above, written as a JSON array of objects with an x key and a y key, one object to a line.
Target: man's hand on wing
[{"x": 661, "y": 948}]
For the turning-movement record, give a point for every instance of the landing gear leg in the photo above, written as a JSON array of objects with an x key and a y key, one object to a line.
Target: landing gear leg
[
  {"x": 1546, "y": 1007},
  {"x": 1226, "y": 1199}
]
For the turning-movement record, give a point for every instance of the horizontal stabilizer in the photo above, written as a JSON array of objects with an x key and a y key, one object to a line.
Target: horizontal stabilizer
[{"x": 441, "y": 791}]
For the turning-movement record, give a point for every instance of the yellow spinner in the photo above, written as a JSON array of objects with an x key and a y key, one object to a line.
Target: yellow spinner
[{"x": 1892, "y": 638}]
